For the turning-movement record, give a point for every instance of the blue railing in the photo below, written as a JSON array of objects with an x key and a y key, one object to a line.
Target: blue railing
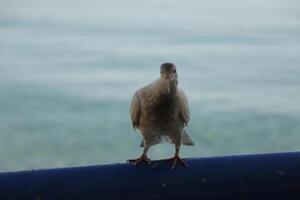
[{"x": 261, "y": 176}]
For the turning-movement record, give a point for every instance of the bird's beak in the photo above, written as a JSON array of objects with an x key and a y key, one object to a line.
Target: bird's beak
[{"x": 169, "y": 77}]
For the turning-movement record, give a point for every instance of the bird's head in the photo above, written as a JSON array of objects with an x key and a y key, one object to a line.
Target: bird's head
[
  {"x": 168, "y": 71},
  {"x": 168, "y": 76}
]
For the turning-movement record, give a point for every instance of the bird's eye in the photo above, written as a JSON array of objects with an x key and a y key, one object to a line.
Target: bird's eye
[
  {"x": 174, "y": 71},
  {"x": 161, "y": 72}
]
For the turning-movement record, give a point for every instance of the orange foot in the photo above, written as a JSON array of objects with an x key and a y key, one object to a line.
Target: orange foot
[
  {"x": 139, "y": 160},
  {"x": 175, "y": 160}
]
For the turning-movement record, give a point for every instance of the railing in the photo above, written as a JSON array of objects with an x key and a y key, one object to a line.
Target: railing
[{"x": 261, "y": 176}]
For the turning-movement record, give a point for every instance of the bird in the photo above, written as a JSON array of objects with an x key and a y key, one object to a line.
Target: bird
[{"x": 160, "y": 110}]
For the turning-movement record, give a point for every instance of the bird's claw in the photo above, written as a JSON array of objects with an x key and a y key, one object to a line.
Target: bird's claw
[
  {"x": 135, "y": 162},
  {"x": 177, "y": 159}
]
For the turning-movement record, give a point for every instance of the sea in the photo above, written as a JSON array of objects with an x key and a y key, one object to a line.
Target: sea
[{"x": 68, "y": 70}]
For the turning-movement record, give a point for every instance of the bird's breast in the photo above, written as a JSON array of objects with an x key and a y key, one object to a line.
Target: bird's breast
[{"x": 161, "y": 112}]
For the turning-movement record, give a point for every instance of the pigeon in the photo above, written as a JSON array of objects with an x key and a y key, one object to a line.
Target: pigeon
[{"x": 160, "y": 111}]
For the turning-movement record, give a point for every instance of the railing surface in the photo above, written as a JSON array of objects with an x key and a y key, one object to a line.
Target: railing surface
[{"x": 260, "y": 176}]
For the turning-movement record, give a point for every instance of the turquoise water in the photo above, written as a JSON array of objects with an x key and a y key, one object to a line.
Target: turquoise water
[{"x": 68, "y": 70}]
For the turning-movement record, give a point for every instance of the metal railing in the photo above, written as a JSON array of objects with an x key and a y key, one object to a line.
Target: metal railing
[{"x": 260, "y": 176}]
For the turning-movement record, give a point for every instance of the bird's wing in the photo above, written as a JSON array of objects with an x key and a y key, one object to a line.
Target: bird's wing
[
  {"x": 135, "y": 110},
  {"x": 184, "y": 111}
]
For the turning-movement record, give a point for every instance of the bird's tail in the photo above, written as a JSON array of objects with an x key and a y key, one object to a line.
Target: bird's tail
[
  {"x": 157, "y": 140},
  {"x": 185, "y": 139}
]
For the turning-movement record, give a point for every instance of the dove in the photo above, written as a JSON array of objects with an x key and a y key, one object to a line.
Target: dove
[{"x": 160, "y": 111}]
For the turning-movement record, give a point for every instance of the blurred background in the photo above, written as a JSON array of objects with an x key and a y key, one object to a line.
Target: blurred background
[{"x": 68, "y": 69}]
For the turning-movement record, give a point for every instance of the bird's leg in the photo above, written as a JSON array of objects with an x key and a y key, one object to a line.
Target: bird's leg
[
  {"x": 142, "y": 158},
  {"x": 176, "y": 158}
]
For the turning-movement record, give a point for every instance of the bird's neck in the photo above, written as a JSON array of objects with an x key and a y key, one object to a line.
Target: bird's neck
[{"x": 167, "y": 88}]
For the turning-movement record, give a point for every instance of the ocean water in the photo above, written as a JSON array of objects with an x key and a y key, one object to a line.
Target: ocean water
[{"x": 68, "y": 69}]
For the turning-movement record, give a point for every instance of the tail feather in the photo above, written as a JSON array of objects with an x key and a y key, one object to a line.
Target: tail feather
[
  {"x": 185, "y": 139},
  {"x": 157, "y": 140}
]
